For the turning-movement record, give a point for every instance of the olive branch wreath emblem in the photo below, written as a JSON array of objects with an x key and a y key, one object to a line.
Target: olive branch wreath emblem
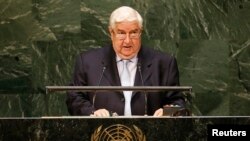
[{"x": 118, "y": 132}]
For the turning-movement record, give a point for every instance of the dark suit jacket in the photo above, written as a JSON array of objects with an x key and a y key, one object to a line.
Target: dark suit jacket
[{"x": 157, "y": 69}]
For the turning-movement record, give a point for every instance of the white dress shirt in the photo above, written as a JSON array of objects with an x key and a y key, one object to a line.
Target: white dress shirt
[{"x": 132, "y": 66}]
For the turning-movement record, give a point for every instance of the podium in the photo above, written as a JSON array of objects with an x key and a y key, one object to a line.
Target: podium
[
  {"x": 133, "y": 128},
  {"x": 105, "y": 129}
]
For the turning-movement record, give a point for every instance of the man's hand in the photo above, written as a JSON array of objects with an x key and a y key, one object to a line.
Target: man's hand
[
  {"x": 158, "y": 113},
  {"x": 101, "y": 113}
]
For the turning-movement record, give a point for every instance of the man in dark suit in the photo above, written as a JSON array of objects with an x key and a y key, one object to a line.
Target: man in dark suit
[{"x": 124, "y": 63}]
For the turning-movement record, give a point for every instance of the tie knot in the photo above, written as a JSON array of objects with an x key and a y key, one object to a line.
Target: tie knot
[
  {"x": 126, "y": 61},
  {"x": 125, "y": 74},
  {"x": 125, "y": 64}
]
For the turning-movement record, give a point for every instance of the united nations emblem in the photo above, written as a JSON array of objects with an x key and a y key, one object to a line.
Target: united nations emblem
[{"x": 118, "y": 132}]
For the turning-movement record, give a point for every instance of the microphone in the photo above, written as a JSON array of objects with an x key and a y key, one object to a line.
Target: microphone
[
  {"x": 99, "y": 82},
  {"x": 103, "y": 70},
  {"x": 145, "y": 94}
]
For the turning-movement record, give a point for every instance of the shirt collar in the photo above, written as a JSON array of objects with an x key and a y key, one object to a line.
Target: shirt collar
[{"x": 132, "y": 59}]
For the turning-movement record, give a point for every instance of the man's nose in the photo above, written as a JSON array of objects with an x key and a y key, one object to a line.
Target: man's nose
[{"x": 127, "y": 39}]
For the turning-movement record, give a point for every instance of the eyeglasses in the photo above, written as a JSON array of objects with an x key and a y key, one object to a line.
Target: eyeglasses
[{"x": 132, "y": 35}]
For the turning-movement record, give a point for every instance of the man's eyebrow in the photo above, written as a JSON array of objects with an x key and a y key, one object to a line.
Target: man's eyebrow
[
  {"x": 133, "y": 30},
  {"x": 120, "y": 30}
]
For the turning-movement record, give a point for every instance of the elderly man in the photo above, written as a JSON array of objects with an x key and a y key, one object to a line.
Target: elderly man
[{"x": 124, "y": 63}]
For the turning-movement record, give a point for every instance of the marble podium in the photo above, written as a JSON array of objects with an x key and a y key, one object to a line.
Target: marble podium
[{"x": 90, "y": 128}]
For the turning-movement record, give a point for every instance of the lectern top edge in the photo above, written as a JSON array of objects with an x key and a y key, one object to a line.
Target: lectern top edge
[{"x": 119, "y": 88}]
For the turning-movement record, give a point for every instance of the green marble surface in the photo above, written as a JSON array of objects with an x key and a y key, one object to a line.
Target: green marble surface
[{"x": 39, "y": 40}]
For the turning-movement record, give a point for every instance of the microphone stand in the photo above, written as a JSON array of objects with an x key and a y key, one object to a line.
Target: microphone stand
[
  {"x": 99, "y": 82},
  {"x": 145, "y": 94}
]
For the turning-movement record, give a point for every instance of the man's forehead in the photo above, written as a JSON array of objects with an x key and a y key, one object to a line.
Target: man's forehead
[
  {"x": 127, "y": 23},
  {"x": 127, "y": 26},
  {"x": 132, "y": 29}
]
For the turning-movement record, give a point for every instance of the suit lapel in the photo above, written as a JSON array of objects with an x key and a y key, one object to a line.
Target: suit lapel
[
  {"x": 145, "y": 60},
  {"x": 111, "y": 72}
]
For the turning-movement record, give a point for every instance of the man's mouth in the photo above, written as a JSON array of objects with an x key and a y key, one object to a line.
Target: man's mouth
[{"x": 127, "y": 46}]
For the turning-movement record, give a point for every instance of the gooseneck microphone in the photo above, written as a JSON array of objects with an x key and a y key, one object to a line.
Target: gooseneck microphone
[
  {"x": 103, "y": 70},
  {"x": 99, "y": 82},
  {"x": 145, "y": 94},
  {"x": 94, "y": 97}
]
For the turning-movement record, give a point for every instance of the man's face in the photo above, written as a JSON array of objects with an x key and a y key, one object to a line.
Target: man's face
[{"x": 126, "y": 39}]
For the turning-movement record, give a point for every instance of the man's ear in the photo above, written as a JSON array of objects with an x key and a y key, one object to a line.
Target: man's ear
[{"x": 111, "y": 32}]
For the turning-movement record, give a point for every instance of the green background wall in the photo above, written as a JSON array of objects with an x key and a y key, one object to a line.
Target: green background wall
[{"x": 39, "y": 40}]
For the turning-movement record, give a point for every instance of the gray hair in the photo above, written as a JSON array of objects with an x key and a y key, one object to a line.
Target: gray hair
[{"x": 124, "y": 13}]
